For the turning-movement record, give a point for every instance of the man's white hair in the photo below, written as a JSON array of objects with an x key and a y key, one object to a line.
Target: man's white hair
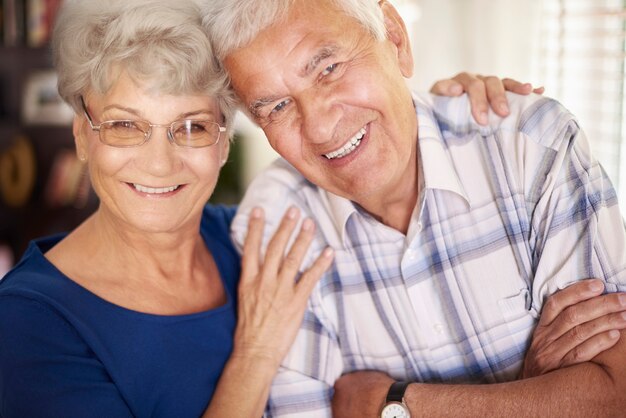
[{"x": 233, "y": 24}]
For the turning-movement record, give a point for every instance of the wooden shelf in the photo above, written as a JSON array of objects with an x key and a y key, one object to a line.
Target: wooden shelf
[{"x": 37, "y": 217}]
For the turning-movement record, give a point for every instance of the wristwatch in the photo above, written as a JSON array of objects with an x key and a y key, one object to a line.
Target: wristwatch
[{"x": 394, "y": 404}]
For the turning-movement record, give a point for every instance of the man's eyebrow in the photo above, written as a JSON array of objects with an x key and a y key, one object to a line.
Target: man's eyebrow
[
  {"x": 256, "y": 105},
  {"x": 324, "y": 53}
]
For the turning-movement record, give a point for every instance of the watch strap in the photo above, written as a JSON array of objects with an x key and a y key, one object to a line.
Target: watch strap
[{"x": 396, "y": 391}]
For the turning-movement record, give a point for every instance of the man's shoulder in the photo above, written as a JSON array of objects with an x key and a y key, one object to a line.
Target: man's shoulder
[
  {"x": 279, "y": 185},
  {"x": 279, "y": 174},
  {"x": 276, "y": 189},
  {"x": 540, "y": 118}
]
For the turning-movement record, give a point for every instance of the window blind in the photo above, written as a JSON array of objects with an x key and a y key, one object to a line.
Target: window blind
[{"x": 582, "y": 63}]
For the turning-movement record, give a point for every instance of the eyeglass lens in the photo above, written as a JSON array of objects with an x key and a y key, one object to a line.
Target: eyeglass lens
[{"x": 189, "y": 133}]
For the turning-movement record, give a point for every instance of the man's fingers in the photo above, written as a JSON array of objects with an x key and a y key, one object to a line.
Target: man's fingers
[
  {"x": 585, "y": 334},
  {"x": 571, "y": 295},
  {"x": 252, "y": 245},
  {"x": 591, "y": 348}
]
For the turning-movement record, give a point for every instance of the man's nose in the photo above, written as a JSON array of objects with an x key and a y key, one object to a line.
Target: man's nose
[{"x": 320, "y": 113}]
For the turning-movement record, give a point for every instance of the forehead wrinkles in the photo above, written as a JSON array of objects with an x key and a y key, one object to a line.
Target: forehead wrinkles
[
  {"x": 272, "y": 68},
  {"x": 277, "y": 60}
]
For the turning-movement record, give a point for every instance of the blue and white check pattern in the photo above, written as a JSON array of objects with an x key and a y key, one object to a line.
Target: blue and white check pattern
[{"x": 508, "y": 214}]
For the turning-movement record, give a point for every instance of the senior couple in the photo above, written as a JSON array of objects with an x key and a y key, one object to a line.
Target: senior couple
[{"x": 400, "y": 260}]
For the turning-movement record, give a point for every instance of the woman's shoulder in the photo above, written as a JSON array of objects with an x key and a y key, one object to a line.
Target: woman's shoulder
[
  {"x": 215, "y": 229},
  {"x": 216, "y": 219},
  {"x": 33, "y": 270}
]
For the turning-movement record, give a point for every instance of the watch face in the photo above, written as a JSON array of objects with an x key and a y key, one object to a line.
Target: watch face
[{"x": 395, "y": 410}]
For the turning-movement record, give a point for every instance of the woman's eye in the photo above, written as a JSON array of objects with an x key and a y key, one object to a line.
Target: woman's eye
[
  {"x": 329, "y": 69},
  {"x": 123, "y": 124}
]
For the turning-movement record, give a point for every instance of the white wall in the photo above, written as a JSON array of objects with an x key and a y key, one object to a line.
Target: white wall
[{"x": 483, "y": 36}]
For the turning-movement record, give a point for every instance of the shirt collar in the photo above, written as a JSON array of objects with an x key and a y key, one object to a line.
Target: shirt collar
[
  {"x": 340, "y": 210},
  {"x": 437, "y": 167}
]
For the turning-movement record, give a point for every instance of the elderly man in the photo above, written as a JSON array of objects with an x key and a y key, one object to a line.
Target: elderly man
[{"x": 449, "y": 235}]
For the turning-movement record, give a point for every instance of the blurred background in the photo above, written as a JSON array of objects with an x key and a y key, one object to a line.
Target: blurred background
[{"x": 575, "y": 48}]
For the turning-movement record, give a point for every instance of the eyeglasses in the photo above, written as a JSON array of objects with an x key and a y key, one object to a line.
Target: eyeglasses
[{"x": 133, "y": 133}]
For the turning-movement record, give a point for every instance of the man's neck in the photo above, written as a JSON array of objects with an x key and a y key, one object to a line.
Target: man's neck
[
  {"x": 397, "y": 215},
  {"x": 396, "y": 210}
]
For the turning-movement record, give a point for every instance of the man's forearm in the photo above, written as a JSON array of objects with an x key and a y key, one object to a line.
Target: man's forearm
[{"x": 584, "y": 390}]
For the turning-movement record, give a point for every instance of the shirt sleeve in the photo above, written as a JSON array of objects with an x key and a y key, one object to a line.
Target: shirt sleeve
[
  {"x": 577, "y": 228},
  {"x": 46, "y": 369},
  {"x": 303, "y": 386}
]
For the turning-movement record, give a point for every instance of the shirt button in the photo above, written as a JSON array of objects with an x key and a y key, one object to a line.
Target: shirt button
[
  {"x": 412, "y": 254},
  {"x": 438, "y": 328},
  {"x": 419, "y": 226}
]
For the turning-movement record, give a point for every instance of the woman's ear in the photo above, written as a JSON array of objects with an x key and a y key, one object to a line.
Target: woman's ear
[
  {"x": 224, "y": 152},
  {"x": 398, "y": 35},
  {"x": 80, "y": 137}
]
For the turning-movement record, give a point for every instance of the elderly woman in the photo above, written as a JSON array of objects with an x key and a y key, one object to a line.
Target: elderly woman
[{"x": 134, "y": 312}]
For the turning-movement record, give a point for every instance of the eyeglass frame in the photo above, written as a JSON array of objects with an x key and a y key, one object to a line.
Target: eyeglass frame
[{"x": 147, "y": 135}]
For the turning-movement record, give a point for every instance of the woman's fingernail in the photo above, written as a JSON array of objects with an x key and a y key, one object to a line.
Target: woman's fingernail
[
  {"x": 256, "y": 212},
  {"x": 292, "y": 212},
  {"x": 456, "y": 89},
  {"x": 307, "y": 224}
]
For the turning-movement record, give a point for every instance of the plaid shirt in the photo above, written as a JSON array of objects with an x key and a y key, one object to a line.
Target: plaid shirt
[{"x": 508, "y": 214}]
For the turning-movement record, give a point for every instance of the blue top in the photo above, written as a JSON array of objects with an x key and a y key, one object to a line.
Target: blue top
[{"x": 66, "y": 352}]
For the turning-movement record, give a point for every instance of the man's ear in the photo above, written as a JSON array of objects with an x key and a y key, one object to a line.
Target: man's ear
[
  {"x": 398, "y": 35},
  {"x": 80, "y": 137}
]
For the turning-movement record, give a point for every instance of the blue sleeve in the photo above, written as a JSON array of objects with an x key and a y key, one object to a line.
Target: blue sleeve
[{"x": 47, "y": 370}]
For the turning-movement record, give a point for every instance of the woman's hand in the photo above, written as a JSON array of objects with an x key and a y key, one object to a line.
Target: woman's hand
[
  {"x": 271, "y": 302},
  {"x": 271, "y": 306},
  {"x": 483, "y": 92}
]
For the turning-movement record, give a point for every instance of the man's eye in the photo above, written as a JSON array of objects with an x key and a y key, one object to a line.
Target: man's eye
[
  {"x": 280, "y": 106},
  {"x": 329, "y": 69}
]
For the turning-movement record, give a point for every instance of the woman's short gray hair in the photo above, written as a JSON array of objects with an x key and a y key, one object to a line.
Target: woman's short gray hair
[
  {"x": 234, "y": 24},
  {"x": 160, "y": 42}
]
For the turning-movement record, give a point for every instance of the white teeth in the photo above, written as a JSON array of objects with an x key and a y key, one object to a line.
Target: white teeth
[
  {"x": 154, "y": 190},
  {"x": 348, "y": 147}
]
